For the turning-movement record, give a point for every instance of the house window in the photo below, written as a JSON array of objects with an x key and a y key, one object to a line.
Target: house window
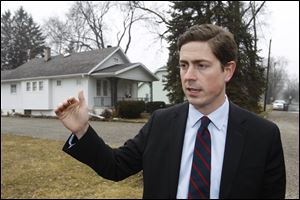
[
  {"x": 105, "y": 88},
  {"x": 28, "y": 86},
  {"x": 98, "y": 87},
  {"x": 58, "y": 82},
  {"x": 34, "y": 86},
  {"x": 41, "y": 86},
  {"x": 13, "y": 89}
]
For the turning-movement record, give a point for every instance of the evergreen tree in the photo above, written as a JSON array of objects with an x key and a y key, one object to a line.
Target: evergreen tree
[
  {"x": 247, "y": 85},
  {"x": 6, "y": 40},
  {"x": 21, "y": 39}
]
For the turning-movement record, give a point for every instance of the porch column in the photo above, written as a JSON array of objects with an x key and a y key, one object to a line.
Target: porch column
[
  {"x": 151, "y": 91},
  {"x": 114, "y": 90}
]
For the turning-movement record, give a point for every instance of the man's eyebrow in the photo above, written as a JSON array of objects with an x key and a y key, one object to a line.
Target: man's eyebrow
[
  {"x": 195, "y": 61},
  {"x": 183, "y": 61}
]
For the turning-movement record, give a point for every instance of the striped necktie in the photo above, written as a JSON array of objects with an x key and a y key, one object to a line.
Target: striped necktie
[{"x": 199, "y": 186}]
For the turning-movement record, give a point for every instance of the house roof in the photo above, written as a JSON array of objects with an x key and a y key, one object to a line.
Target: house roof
[
  {"x": 161, "y": 69},
  {"x": 118, "y": 70},
  {"x": 114, "y": 68},
  {"x": 76, "y": 63}
]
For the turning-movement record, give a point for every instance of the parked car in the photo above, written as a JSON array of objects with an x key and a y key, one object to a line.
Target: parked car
[{"x": 280, "y": 105}]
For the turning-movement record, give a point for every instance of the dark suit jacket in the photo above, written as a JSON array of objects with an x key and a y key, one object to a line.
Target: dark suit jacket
[{"x": 253, "y": 165}]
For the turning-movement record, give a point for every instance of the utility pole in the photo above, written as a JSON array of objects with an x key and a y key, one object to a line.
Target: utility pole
[{"x": 267, "y": 82}]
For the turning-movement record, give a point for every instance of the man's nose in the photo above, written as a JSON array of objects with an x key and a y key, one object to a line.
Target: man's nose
[{"x": 190, "y": 74}]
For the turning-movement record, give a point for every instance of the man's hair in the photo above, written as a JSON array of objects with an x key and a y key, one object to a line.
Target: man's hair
[{"x": 220, "y": 41}]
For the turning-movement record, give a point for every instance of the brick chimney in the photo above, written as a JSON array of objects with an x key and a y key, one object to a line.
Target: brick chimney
[{"x": 47, "y": 54}]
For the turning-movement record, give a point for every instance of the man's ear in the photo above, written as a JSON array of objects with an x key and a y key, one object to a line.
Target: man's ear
[{"x": 229, "y": 69}]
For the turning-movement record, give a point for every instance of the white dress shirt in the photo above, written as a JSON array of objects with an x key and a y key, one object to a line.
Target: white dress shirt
[{"x": 218, "y": 130}]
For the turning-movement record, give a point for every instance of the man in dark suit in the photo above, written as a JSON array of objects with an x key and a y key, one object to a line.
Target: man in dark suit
[{"x": 239, "y": 154}]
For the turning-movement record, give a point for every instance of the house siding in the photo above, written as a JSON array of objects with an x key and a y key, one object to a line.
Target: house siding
[
  {"x": 91, "y": 91},
  {"x": 69, "y": 88},
  {"x": 41, "y": 102},
  {"x": 116, "y": 58},
  {"x": 11, "y": 101},
  {"x": 38, "y": 99},
  {"x": 135, "y": 74},
  {"x": 159, "y": 94},
  {"x": 144, "y": 91}
]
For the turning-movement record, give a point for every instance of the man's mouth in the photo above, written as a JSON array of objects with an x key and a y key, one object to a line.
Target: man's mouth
[{"x": 190, "y": 89}]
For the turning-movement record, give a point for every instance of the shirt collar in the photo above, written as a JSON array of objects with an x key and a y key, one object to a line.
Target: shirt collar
[{"x": 218, "y": 117}]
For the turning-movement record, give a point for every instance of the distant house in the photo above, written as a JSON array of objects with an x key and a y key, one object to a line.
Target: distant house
[
  {"x": 39, "y": 85},
  {"x": 159, "y": 94}
]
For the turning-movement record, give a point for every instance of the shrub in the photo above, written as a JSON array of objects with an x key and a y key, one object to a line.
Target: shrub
[
  {"x": 107, "y": 114},
  {"x": 130, "y": 109},
  {"x": 152, "y": 106}
]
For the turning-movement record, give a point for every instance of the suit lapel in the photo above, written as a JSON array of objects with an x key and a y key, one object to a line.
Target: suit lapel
[
  {"x": 233, "y": 149},
  {"x": 176, "y": 145}
]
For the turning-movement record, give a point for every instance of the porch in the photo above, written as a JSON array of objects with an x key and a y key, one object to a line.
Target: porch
[
  {"x": 119, "y": 82},
  {"x": 101, "y": 101}
]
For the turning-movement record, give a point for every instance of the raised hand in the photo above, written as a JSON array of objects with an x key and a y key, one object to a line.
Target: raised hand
[{"x": 74, "y": 114}]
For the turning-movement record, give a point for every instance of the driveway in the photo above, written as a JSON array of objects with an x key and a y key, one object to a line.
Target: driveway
[
  {"x": 288, "y": 123},
  {"x": 113, "y": 133}
]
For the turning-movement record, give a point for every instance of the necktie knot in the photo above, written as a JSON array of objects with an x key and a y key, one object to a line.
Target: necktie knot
[{"x": 205, "y": 122}]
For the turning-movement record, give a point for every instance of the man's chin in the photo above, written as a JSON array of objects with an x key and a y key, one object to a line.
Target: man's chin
[{"x": 196, "y": 102}]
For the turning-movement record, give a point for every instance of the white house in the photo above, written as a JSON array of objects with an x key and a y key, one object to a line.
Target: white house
[
  {"x": 39, "y": 85},
  {"x": 156, "y": 88}
]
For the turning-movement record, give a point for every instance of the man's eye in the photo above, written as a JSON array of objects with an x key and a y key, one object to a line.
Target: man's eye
[
  {"x": 202, "y": 66},
  {"x": 183, "y": 66}
]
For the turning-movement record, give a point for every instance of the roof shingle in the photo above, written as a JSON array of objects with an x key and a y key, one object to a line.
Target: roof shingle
[{"x": 76, "y": 63}]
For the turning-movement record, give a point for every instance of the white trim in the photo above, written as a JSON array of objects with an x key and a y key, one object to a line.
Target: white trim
[
  {"x": 161, "y": 70},
  {"x": 105, "y": 59},
  {"x": 134, "y": 66},
  {"x": 125, "y": 55},
  {"x": 126, "y": 69},
  {"x": 114, "y": 74},
  {"x": 42, "y": 77},
  {"x": 103, "y": 74}
]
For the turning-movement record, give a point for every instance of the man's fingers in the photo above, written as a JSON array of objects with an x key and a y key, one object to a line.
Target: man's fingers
[
  {"x": 81, "y": 97},
  {"x": 69, "y": 106},
  {"x": 57, "y": 112},
  {"x": 72, "y": 100},
  {"x": 66, "y": 103},
  {"x": 59, "y": 109}
]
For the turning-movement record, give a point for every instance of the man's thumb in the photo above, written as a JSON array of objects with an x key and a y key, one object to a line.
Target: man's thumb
[{"x": 81, "y": 97}]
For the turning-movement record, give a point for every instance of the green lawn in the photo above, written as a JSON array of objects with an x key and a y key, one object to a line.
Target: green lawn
[{"x": 38, "y": 168}]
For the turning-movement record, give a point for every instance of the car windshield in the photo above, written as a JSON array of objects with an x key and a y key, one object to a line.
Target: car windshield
[{"x": 279, "y": 101}]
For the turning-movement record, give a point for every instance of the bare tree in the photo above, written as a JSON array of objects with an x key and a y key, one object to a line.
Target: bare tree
[
  {"x": 89, "y": 25},
  {"x": 159, "y": 17},
  {"x": 277, "y": 78},
  {"x": 57, "y": 34},
  {"x": 291, "y": 92},
  {"x": 131, "y": 15}
]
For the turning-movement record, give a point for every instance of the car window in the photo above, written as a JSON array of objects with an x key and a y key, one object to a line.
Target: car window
[{"x": 279, "y": 101}]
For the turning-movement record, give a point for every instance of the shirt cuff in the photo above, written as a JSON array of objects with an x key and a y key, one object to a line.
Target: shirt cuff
[{"x": 72, "y": 141}]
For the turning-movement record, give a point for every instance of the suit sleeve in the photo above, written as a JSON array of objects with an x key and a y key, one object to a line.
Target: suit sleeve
[
  {"x": 113, "y": 164},
  {"x": 275, "y": 174}
]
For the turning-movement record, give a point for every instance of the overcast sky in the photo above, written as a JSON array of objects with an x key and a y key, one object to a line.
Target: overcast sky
[{"x": 281, "y": 19}]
